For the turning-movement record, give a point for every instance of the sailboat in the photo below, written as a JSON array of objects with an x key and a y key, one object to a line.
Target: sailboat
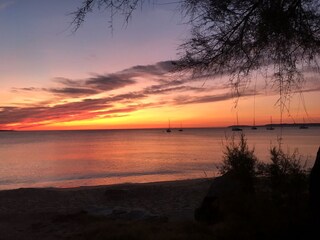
[
  {"x": 254, "y": 125},
  {"x": 236, "y": 128},
  {"x": 254, "y": 109},
  {"x": 180, "y": 129},
  {"x": 270, "y": 127},
  {"x": 169, "y": 128},
  {"x": 303, "y": 126}
]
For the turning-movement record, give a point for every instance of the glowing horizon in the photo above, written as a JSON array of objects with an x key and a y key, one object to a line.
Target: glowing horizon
[{"x": 147, "y": 97}]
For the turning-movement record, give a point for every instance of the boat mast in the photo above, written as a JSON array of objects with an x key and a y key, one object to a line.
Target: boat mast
[{"x": 237, "y": 120}]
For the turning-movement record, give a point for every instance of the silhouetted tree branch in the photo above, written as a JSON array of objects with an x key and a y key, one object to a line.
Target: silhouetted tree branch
[
  {"x": 241, "y": 36},
  {"x": 123, "y": 8},
  {"x": 237, "y": 37}
]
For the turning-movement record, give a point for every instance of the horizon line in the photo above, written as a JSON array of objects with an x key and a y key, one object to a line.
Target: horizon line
[{"x": 162, "y": 128}]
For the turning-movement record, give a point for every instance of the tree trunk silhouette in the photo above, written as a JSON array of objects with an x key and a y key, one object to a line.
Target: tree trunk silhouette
[{"x": 315, "y": 192}]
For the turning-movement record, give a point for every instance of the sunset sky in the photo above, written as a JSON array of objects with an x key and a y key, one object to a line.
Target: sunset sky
[{"x": 52, "y": 78}]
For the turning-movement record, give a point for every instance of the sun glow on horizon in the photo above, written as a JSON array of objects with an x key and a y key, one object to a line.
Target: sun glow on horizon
[{"x": 195, "y": 115}]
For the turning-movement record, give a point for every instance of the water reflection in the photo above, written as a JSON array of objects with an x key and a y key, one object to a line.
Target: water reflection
[{"x": 74, "y": 158}]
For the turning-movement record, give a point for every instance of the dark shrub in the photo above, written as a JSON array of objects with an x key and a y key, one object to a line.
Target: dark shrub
[
  {"x": 239, "y": 160},
  {"x": 286, "y": 172}
]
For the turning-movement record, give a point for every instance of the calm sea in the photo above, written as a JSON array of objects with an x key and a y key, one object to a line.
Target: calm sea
[{"x": 86, "y": 158}]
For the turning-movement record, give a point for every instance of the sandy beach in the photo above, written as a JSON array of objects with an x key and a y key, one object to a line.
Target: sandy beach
[
  {"x": 53, "y": 213},
  {"x": 159, "y": 210}
]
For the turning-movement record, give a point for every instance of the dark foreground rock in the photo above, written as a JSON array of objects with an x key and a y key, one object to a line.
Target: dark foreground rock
[{"x": 222, "y": 187}]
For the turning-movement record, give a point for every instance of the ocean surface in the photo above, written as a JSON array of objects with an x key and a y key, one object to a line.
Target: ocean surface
[{"x": 89, "y": 158}]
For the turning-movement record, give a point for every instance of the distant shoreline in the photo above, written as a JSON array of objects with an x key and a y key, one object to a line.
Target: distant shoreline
[
  {"x": 133, "y": 129},
  {"x": 280, "y": 125}
]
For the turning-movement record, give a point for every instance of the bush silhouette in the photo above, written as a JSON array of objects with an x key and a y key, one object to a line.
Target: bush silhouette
[
  {"x": 241, "y": 162},
  {"x": 287, "y": 175}
]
